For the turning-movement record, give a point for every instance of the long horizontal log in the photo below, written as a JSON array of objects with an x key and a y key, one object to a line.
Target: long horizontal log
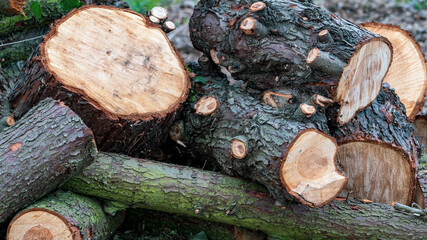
[
  {"x": 216, "y": 197},
  {"x": 39, "y": 152}
]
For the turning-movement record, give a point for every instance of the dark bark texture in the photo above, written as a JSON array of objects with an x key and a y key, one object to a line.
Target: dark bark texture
[
  {"x": 177, "y": 189},
  {"x": 83, "y": 214},
  {"x": 385, "y": 121},
  {"x": 112, "y": 133},
  {"x": 277, "y": 57},
  {"x": 267, "y": 131},
  {"x": 39, "y": 152},
  {"x": 8, "y": 75}
]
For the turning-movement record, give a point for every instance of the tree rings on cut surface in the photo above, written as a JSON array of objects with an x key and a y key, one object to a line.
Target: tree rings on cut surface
[
  {"x": 118, "y": 72},
  {"x": 308, "y": 170},
  {"x": 41, "y": 224},
  {"x": 257, "y": 6},
  {"x": 159, "y": 12},
  {"x": 239, "y": 148},
  {"x": 375, "y": 171},
  {"x": 408, "y": 71},
  {"x": 206, "y": 105}
]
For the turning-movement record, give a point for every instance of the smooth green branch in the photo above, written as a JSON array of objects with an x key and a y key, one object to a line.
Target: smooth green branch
[{"x": 216, "y": 197}]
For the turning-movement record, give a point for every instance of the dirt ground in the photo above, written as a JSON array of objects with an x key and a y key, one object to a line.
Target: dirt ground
[{"x": 405, "y": 15}]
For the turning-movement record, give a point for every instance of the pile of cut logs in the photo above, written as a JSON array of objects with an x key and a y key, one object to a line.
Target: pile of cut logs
[{"x": 320, "y": 114}]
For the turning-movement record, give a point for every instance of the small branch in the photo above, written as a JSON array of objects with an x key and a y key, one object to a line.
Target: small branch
[
  {"x": 159, "y": 12},
  {"x": 307, "y": 109},
  {"x": 322, "y": 101},
  {"x": 168, "y": 26},
  {"x": 205, "y": 63},
  {"x": 250, "y": 26},
  {"x": 325, "y": 62},
  {"x": 153, "y": 19},
  {"x": 269, "y": 100},
  {"x": 21, "y": 41},
  {"x": 325, "y": 37},
  {"x": 257, "y": 6},
  {"x": 239, "y": 147},
  {"x": 415, "y": 211},
  {"x": 206, "y": 105}
]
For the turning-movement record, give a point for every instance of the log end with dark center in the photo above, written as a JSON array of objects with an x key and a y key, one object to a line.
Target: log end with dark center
[
  {"x": 38, "y": 223},
  {"x": 206, "y": 105},
  {"x": 308, "y": 170}
]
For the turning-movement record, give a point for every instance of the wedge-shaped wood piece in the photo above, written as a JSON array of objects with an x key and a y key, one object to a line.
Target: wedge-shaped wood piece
[
  {"x": 378, "y": 152},
  {"x": 65, "y": 216},
  {"x": 116, "y": 70},
  {"x": 281, "y": 46},
  {"x": 408, "y": 71}
]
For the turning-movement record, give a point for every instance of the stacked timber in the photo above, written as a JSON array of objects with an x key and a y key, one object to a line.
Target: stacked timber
[{"x": 309, "y": 118}]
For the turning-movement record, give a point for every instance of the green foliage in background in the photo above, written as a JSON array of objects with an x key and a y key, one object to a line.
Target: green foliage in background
[
  {"x": 418, "y": 4},
  {"x": 142, "y": 6}
]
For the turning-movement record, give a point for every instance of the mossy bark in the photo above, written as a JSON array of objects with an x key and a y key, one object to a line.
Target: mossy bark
[
  {"x": 178, "y": 189},
  {"x": 84, "y": 216},
  {"x": 49, "y": 144},
  {"x": 278, "y": 57},
  {"x": 267, "y": 132}
]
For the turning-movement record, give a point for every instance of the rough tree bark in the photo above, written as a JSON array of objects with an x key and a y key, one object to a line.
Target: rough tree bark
[
  {"x": 65, "y": 216},
  {"x": 216, "y": 197},
  {"x": 287, "y": 149},
  {"x": 408, "y": 70},
  {"x": 39, "y": 152},
  {"x": 275, "y": 46},
  {"x": 119, "y": 73},
  {"x": 378, "y": 151}
]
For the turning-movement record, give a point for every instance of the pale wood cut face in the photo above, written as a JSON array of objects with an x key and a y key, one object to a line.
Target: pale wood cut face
[
  {"x": 248, "y": 25},
  {"x": 408, "y": 71},
  {"x": 362, "y": 78},
  {"x": 375, "y": 172},
  {"x": 238, "y": 149},
  {"x": 111, "y": 56},
  {"x": 420, "y": 131},
  {"x": 309, "y": 168},
  {"x": 34, "y": 224},
  {"x": 206, "y": 105}
]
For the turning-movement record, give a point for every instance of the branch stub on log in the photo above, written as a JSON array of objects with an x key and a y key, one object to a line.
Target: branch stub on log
[
  {"x": 239, "y": 147},
  {"x": 257, "y": 6},
  {"x": 206, "y": 105},
  {"x": 159, "y": 12}
]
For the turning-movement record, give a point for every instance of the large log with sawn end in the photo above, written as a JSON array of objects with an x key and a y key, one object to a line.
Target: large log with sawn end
[
  {"x": 39, "y": 152},
  {"x": 282, "y": 43},
  {"x": 116, "y": 70}
]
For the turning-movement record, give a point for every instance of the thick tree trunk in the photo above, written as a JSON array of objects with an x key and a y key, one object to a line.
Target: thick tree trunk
[
  {"x": 378, "y": 151},
  {"x": 216, "y": 197},
  {"x": 119, "y": 73},
  {"x": 285, "y": 149},
  {"x": 66, "y": 216},
  {"x": 39, "y": 152},
  {"x": 275, "y": 46},
  {"x": 408, "y": 70}
]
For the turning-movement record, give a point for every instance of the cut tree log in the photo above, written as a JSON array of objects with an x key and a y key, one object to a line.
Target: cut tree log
[
  {"x": 286, "y": 149},
  {"x": 12, "y": 7},
  {"x": 219, "y": 198},
  {"x": 39, "y": 152},
  {"x": 378, "y": 152},
  {"x": 279, "y": 46},
  {"x": 408, "y": 71},
  {"x": 420, "y": 126},
  {"x": 118, "y": 72},
  {"x": 65, "y": 216}
]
